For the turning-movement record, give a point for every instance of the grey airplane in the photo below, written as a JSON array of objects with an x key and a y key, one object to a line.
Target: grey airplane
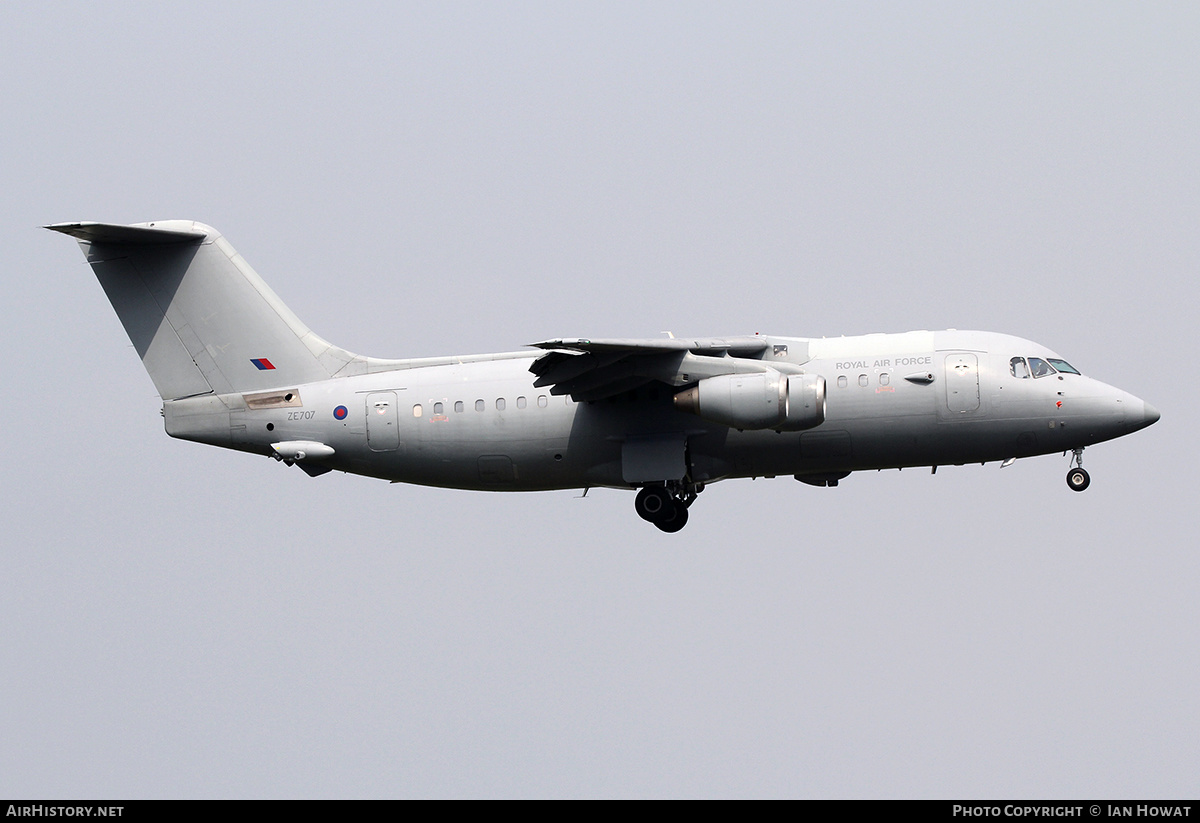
[{"x": 666, "y": 417}]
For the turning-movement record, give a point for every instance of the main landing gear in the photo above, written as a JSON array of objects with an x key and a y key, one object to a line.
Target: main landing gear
[
  {"x": 666, "y": 506},
  {"x": 1077, "y": 478}
]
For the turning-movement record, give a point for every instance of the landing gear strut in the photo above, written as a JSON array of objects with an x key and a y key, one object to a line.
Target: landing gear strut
[
  {"x": 666, "y": 506},
  {"x": 1077, "y": 478}
]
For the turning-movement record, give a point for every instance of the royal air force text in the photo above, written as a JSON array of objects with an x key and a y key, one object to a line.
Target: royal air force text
[{"x": 888, "y": 363}]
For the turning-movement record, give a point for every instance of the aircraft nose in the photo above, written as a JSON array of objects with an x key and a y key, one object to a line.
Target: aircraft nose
[
  {"x": 1150, "y": 415},
  {"x": 1139, "y": 414}
]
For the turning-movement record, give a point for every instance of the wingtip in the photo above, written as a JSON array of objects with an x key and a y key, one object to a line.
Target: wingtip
[{"x": 78, "y": 229}]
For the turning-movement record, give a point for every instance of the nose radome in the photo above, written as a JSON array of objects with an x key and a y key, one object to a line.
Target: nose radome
[
  {"x": 1136, "y": 421},
  {"x": 1150, "y": 415}
]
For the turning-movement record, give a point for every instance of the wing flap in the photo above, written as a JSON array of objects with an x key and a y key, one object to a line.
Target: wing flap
[{"x": 560, "y": 367}]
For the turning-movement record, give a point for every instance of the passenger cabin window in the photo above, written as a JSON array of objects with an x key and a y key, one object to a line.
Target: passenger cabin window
[
  {"x": 437, "y": 408},
  {"x": 884, "y": 379},
  {"x": 1040, "y": 367},
  {"x": 458, "y": 405},
  {"x": 1018, "y": 368},
  {"x": 417, "y": 410},
  {"x": 842, "y": 381},
  {"x": 479, "y": 405},
  {"x": 520, "y": 402},
  {"x": 542, "y": 401},
  {"x": 863, "y": 380},
  {"x": 499, "y": 404}
]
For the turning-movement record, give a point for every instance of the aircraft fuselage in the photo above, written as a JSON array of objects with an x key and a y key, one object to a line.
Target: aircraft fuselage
[{"x": 892, "y": 400}]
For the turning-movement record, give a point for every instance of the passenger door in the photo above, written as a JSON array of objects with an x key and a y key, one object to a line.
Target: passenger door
[
  {"x": 962, "y": 383},
  {"x": 383, "y": 421}
]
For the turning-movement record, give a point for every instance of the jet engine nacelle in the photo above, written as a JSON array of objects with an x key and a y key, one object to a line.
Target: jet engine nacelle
[{"x": 762, "y": 400}]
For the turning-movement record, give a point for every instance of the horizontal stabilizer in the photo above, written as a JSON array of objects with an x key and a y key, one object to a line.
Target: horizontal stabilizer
[{"x": 140, "y": 234}]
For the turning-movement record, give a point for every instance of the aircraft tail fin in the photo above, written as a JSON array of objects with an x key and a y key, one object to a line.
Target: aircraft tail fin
[{"x": 200, "y": 318}]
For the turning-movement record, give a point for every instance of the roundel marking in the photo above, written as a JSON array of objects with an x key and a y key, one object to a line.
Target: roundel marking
[{"x": 340, "y": 412}]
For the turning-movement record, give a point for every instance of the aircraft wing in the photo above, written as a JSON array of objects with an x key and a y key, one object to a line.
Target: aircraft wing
[{"x": 597, "y": 369}]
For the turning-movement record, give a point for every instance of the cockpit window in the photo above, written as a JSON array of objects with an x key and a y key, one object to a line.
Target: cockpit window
[
  {"x": 1018, "y": 368},
  {"x": 1063, "y": 365},
  {"x": 1040, "y": 367}
]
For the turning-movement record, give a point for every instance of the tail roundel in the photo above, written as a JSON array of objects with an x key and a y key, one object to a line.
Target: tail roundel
[{"x": 199, "y": 317}]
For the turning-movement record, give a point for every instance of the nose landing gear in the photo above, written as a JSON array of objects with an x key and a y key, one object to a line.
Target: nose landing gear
[
  {"x": 1077, "y": 478},
  {"x": 666, "y": 506}
]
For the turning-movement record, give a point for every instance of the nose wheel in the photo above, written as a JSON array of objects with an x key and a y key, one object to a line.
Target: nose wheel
[{"x": 1077, "y": 478}]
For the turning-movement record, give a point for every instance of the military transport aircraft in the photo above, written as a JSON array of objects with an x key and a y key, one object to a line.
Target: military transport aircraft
[{"x": 235, "y": 368}]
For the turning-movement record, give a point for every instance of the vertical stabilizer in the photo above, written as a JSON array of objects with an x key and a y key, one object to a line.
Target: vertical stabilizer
[{"x": 199, "y": 317}]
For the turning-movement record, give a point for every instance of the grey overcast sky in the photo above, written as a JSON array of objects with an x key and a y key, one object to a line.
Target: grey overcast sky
[{"x": 439, "y": 178}]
